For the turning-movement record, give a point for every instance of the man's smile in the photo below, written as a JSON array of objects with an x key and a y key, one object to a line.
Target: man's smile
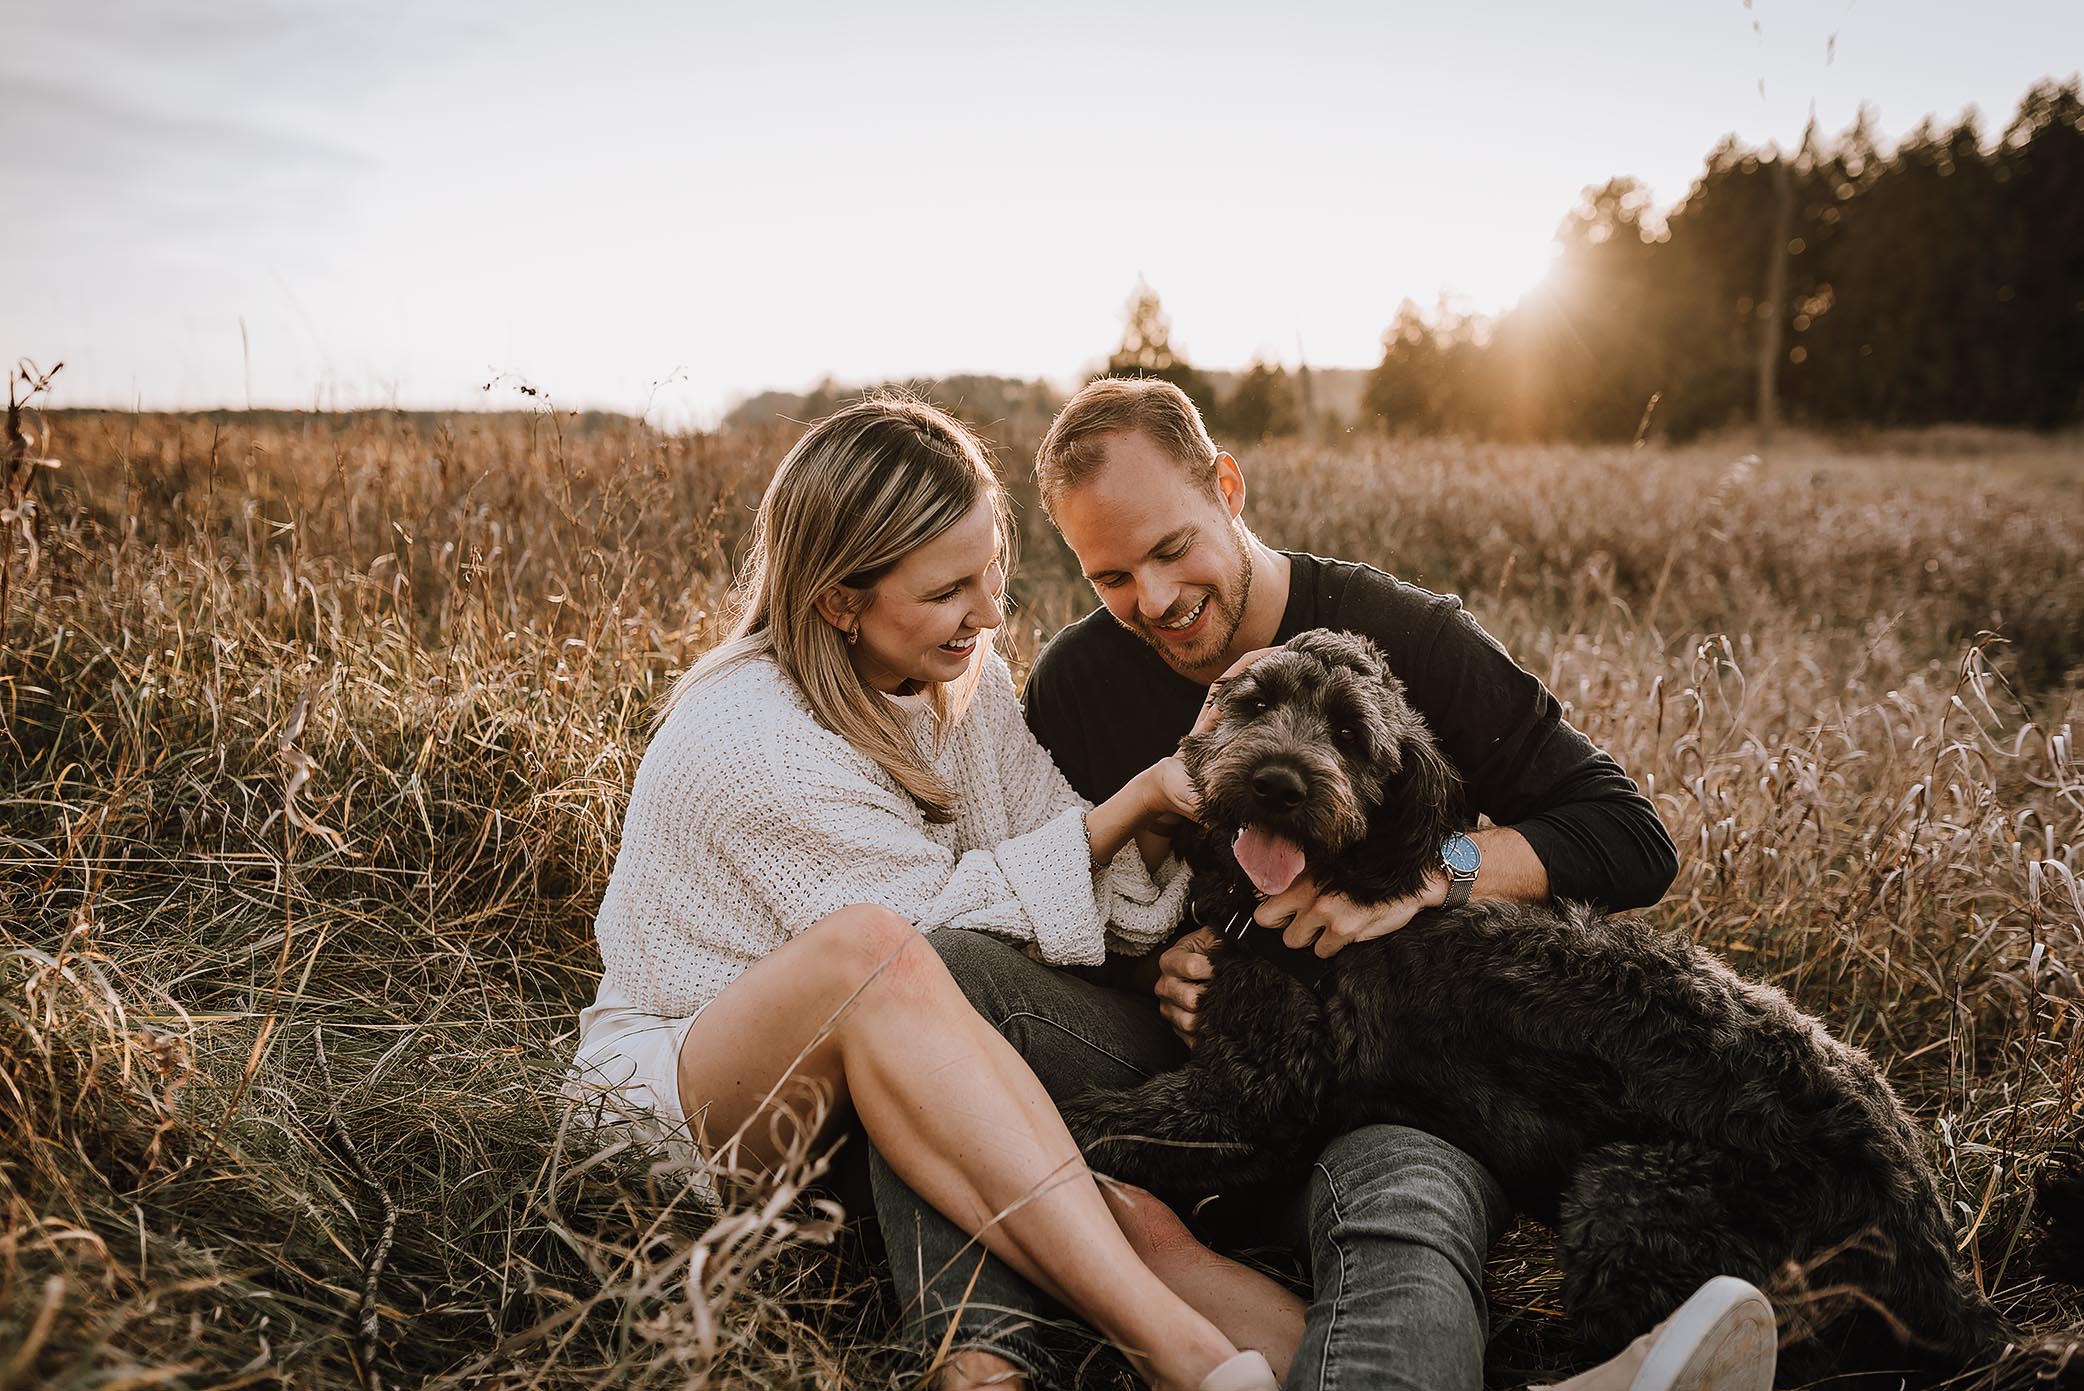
[{"x": 1187, "y": 621}]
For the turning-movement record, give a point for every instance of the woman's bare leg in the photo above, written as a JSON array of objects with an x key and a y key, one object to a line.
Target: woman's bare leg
[
  {"x": 859, "y": 1004},
  {"x": 1253, "y": 1310}
]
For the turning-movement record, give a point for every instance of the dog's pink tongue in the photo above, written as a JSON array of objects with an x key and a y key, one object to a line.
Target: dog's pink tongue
[{"x": 1270, "y": 858}]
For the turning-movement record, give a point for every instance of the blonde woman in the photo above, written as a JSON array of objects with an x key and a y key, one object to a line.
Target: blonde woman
[{"x": 848, "y": 771}]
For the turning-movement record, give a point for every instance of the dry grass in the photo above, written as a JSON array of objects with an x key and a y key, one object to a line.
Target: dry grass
[{"x": 315, "y": 742}]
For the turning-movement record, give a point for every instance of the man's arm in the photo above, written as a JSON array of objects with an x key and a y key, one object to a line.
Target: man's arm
[
  {"x": 1511, "y": 871},
  {"x": 1527, "y": 768}
]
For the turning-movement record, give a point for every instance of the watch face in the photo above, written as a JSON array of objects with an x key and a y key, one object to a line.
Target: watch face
[{"x": 1460, "y": 854}]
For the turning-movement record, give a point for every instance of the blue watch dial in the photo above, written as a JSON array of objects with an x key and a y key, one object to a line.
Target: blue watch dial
[{"x": 1460, "y": 854}]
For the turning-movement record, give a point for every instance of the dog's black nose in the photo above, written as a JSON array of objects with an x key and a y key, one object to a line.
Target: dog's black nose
[{"x": 1279, "y": 787}]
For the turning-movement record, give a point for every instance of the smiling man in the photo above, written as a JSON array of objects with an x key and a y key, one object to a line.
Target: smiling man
[
  {"x": 1393, "y": 1224},
  {"x": 1155, "y": 514}
]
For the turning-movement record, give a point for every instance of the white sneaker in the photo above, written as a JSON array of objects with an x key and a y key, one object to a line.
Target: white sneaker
[
  {"x": 1721, "y": 1339},
  {"x": 1248, "y": 1371}
]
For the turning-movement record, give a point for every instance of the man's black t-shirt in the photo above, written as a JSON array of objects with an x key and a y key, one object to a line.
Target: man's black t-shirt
[{"x": 1106, "y": 707}]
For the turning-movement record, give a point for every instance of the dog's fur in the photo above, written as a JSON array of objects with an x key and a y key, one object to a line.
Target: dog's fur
[{"x": 1670, "y": 1120}]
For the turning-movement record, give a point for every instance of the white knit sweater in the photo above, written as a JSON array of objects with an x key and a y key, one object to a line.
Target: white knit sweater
[{"x": 749, "y": 821}]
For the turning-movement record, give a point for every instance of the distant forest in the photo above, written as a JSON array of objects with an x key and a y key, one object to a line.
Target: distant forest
[
  {"x": 1843, "y": 285},
  {"x": 1940, "y": 281}
]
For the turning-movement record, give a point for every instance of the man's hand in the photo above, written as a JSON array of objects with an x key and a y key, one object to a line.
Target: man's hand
[
  {"x": 1184, "y": 972},
  {"x": 1331, "y": 922},
  {"x": 1207, "y": 719}
]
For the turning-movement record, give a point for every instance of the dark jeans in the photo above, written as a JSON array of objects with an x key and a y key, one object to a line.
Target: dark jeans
[{"x": 1392, "y": 1223}]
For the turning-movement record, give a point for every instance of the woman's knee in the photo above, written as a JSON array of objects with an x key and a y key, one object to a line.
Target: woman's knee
[{"x": 869, "y": 948}]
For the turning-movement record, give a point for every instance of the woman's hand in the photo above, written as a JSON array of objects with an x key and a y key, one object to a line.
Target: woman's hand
[
  {"x": 1171, "y": 793},
  {"x": 1169, "y": 801},
  {"x": 1162, "y": 797}
]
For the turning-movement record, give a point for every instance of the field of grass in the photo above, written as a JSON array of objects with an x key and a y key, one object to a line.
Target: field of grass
[{"x": 314, "y": 739}]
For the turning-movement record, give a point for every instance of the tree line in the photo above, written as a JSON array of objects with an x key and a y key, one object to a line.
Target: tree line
[{"x": 1942, "y": 280}]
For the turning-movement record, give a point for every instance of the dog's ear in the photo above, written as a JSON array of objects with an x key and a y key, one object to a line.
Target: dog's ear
[
  {"x": 1425, "y": 795},
  {"x": 1336, "y": 649},
  {"x": 1432, "y": 787},
  {"x": 1421, "y": 808}
]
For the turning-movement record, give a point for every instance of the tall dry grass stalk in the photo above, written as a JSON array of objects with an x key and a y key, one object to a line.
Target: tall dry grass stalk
[
  {"x": 21, "y": 455},
  {"x": 316, "y": 737}
]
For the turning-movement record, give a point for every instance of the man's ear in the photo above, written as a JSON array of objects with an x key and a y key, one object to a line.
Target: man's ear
[
  {"x": 840, "y": 606},
  {"x": 1230, "y": 484}
]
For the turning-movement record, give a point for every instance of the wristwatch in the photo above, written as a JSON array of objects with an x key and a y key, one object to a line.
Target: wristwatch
[{"x": 1461, "y": 859}]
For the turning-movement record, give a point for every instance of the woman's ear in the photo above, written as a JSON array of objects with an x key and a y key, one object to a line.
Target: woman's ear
[{"x": 840, "y": 606}]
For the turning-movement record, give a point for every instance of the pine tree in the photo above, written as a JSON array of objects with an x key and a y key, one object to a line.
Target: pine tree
[{"x": 1146, "y": 351}]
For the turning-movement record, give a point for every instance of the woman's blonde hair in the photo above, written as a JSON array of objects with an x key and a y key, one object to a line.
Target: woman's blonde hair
[{"x": 862, "y": 489}]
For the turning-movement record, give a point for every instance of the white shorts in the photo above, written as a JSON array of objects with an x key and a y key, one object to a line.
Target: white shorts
[{"x": 628, "y": 1065}]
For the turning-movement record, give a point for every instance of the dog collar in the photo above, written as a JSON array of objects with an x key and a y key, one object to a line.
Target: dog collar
[{"x": 1300, "y": 964}]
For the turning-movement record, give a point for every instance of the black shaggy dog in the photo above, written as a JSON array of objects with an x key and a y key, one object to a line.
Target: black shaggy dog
[{"x": 1670, "y": 1120}]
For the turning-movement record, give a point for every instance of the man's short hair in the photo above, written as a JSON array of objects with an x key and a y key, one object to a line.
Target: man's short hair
[{"x": 1072, "y": 451}]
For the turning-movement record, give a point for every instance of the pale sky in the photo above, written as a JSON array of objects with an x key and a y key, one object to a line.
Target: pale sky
[{"x": 682, "y": 203}]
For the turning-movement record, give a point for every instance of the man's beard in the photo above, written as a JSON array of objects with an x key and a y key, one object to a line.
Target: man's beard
[{"x": 1226, "y": 617}]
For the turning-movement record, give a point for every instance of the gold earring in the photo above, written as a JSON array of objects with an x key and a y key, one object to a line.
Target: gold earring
[{"x": 854, "y": 635}]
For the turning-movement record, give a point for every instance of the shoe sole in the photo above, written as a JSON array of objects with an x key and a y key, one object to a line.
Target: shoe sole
[{"x": 1722, "y": 1339}]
